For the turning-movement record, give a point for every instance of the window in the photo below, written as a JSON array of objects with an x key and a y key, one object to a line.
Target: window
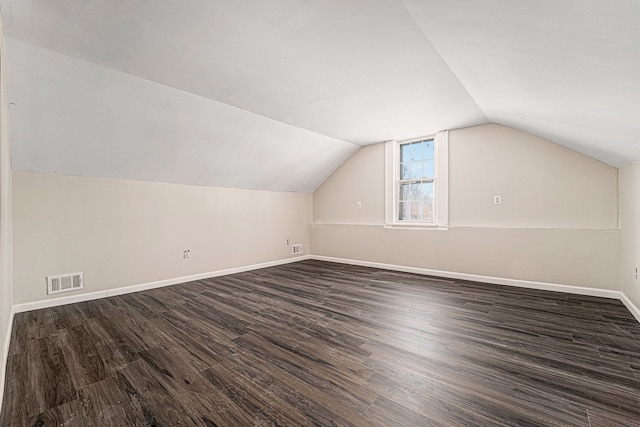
[
  {"x": 417, "y": 179},
  {"x": 415, "y": 183}
]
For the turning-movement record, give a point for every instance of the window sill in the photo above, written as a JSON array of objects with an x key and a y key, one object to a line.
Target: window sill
[{"x": 417, "y": 226}]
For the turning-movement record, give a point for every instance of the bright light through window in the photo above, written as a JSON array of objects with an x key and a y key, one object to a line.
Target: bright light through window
[{"x": 416, "y": 181}]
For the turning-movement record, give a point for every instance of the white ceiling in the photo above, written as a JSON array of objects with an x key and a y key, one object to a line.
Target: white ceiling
[
  {"x": 567, "y": 70},
  {"x": 276, "y": 94}
]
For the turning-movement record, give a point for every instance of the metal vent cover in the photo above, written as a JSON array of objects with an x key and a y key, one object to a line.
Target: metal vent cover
[
  {"x": 65, "y": 283},
  {"x": 297, "y": 249}
]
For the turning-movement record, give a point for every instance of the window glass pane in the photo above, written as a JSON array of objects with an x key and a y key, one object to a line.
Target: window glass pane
[
  {"x": 416, "y": 202},
  {"x": 405, "y": 169},
  {"x": 408, "y": 210},
  {"x": 407, "y": 191},
  {"x": 416, "y": 191},
  {"x": 416, "y": 151},
  {"x": 416, "y": 210},
  {"x": 403, "y": 192},
  {"x": 405, "y": 153},
  {"x": 427, "y": 212},
  {"x": 416, "y": 171},
  {"x": 427, "y": 169},
  {"x": 426, "y": 192},
  {"x": 428, "y": 149}
]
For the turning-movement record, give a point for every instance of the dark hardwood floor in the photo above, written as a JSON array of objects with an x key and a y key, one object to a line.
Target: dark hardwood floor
[{"x": 316, "y": 343}]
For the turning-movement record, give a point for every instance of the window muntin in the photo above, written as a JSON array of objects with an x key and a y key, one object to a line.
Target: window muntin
[{"x": 415, "y": 181}]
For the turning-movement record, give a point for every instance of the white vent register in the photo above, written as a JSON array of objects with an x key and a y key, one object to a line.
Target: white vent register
[
  {"x": 297, "y": 249},
  {"x": 64, "y": 283}
]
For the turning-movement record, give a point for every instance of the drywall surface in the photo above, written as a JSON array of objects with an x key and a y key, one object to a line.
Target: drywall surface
[
  {"x": 557, "y": 222},
  {"x": 587, "y": 258},
  {"x": 75, "y": 117},
  {"x": 630, "y": 226},
  {"x": 563, "y": 70},
  {"x": 332, "y": 67},
  {"x": 122, "y": 233},
  {"x": 359, "y": 179},
  {"x": 6, "y": 227},
  {"x": 542, "y": 184}
]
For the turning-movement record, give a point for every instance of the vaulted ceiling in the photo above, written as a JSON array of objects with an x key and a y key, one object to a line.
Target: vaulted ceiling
[{"x": 276, "y": 94}]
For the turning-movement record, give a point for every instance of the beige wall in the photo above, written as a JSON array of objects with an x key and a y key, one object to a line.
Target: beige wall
[
  {"x": 559, "y": 256},
  {"x": 360, "y": 178},
  {"x": 122, "y": 233},
  {"x": 630, "y": 225},
  {"x": 557, "y": 222},
  {"x": 6, "y": 227},
  {"x": 542, "y": 184}
]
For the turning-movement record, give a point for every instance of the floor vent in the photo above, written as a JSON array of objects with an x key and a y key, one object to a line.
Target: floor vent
[
  {"x": 64, "y": 283},
  {"x": 297, "y": 249}
]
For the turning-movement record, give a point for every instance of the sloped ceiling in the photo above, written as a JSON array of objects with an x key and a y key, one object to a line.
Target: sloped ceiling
[{"x": 277, "y": 94}]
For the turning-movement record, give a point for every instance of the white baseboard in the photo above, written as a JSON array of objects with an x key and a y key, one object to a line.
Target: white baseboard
[
  {"x": 53, "y": 302},
  {"x": 596, "y": 292},
  {"x": 580, "y": 290},
  {"x": 5, "y": 354},
  {"x": 630, "y": 305}
]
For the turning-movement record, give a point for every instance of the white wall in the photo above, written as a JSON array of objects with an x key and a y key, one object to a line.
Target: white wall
[
  {"x": 6, "y": 227},
  {"x": 630, "y": 225},
  {"x": 122, "y": 233},
  {"x": 557, "y": 222},
  {"x": 75, "y": 117}
]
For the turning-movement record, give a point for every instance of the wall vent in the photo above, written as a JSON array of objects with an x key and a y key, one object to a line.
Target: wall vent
[
  {"x": 64, "y": 283},
  {"x": 297, "y": 249}
]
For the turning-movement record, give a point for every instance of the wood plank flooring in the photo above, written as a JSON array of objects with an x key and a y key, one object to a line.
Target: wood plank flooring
[{"x": 317, "y": 343}]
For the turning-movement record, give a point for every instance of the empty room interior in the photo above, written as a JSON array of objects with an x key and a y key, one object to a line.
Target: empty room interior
[{"x": 319, "y": 213}]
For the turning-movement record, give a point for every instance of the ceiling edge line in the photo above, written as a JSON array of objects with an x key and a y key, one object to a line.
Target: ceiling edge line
[
  {"x": 80, "y": 58},
  {"x": 444, "y": 61}
]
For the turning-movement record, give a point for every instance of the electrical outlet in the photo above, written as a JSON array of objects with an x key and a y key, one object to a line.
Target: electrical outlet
[
  {"x": 358, "y": 204},
  {"x": 288, "y": 242},
  {"x": 497, "y": 199},
  {"x": 636, "y": 273},
  {"x": 186, "y": 254}
]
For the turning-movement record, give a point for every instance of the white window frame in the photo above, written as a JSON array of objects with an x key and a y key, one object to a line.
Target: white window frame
[{"x": 440, "y": 182}]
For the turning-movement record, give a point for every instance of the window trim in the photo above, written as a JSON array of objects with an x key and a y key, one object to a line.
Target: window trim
[{"x": 440, "y": 179}]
